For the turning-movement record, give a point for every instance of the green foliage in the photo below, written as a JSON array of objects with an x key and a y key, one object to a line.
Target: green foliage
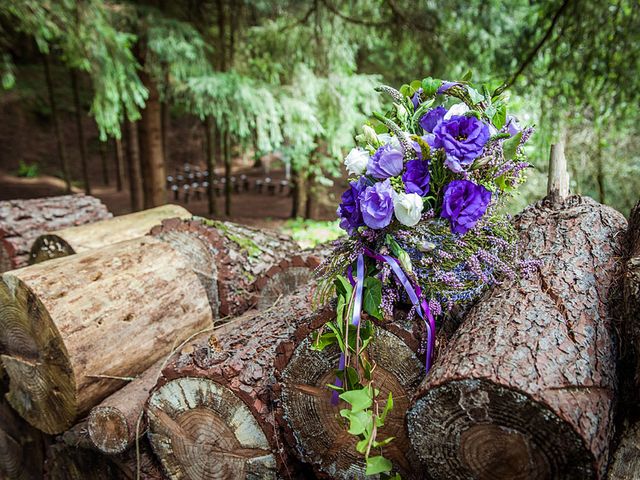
[
  {"x": 309, "y": 233},
  {"x": 28, "y": 170}
]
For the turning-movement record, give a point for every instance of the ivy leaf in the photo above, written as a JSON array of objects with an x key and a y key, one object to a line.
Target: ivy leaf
[
  {"x": 387, "y": 408},
  {"x": 361, "y": 446},
  {"x": 500, "y": 117},
  {"x": 372, "y": 297},
  {"x": 378, "y": 464},
  {"x": 510, "y": 146},
  {"x": 343, "y": 286},
  {"x": 357, "y": 420},
  {"x": 416, "y": 84},
  {"x": 358, "y": 399},
  {"x": 476, "y": 96},
  {"x": 430, "y": 86},
  {"x": 323, "y": 341}
]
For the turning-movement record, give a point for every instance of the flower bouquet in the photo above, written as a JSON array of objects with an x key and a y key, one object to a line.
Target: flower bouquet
[{"x": 425, "y": 230}]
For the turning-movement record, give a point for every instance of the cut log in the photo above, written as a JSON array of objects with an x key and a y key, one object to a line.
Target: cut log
[
  {"x": 68, "y": 325},
  {"x": 113, "y": 426},
  {"x": 526, "y": 387},
  {"x": 245, "y": 267},
  {"x": 22, "y": 221},
  {"x": 96, "y": 235},
  {"x": 212, "y": 415},
  {"x": 312, "y": 425},
  {"x": 631, "y": 304},
  {"x": 625, "y": 462}
]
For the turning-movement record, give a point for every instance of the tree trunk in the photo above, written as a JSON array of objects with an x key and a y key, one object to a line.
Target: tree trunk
[
  {"x": 212, "y": 415},
  {"x": 600, "y": 170},
  {"x": 103, "y": 161},
  {"x": 298, "y": 194},
  {"x": 62, "y": 155},
  {"x": 625, "y": 463},
  {"x": 113, "y": 426},
  {"x": 227, "y": 174},
  {"x": 136, "y": 191},
  {"x": 119, "y": 157},
  {"x": 68, "y": 327},
  {"x": 527, "y": 386},
  {"x": 22, "y": 221},
  {"x": 245, "y": 267},
  {"x": 210, "y": 140},
  {"x": 84, "y": 238},
  {"x": 82, "y": 146},
  {"x": 312, "y": 425},
  {"x": 151, "y": 152}
]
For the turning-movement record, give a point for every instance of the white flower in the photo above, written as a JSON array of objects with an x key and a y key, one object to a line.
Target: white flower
[
  {"x": 370, "y": 135},
  {"x": 457, "y": 109},
  {"x": 387, "y": 138},
  {"x": 408, "y": 208},
  {"x": 356, "y": 161}
]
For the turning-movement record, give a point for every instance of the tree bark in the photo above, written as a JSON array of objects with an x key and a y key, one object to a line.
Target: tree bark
[
  {"x": 102, "y": 147},
  {"x": 210, "y": 140},
  {"x": 313, "y": 427},
  {"x": 82, "y": 146},
  {"x": 62, "y": 155},
  {"x": 22, "y": 221},
  {"x": 119, "y": 157},
  {"x": 136, "y": 191},
  {"x": 69, "y": 241},
  {"x": 631, "y": 303},
  {"x": 227, "y": 173},
  {"x": 298, "y": 193},
  {"x": 151, "y": 151},
  {"x": 67, "y": 327},
  {"x": 243, "y": 267},
  {"x": 212, "y": 415},
  {"x": 625, "y": 462},
  {"x": 526, "y": 387}
]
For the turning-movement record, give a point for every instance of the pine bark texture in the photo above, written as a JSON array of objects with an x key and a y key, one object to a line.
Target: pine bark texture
[
  {"x": 313, "y": 427},
  {"x": 243, "y": 266},
  {"x": 22, "y": 221},
  {"x": 526, "y": 387},
  {"x": 136, "y": 192},
  {"x": 84, "y": 238},
  {"x": 68, "y": 325},
  {"x": 212, "y": 414},
  {"x": 631, "y": 304}
]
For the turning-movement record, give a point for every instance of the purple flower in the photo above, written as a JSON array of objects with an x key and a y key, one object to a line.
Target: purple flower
[
  {"x": 416, "y": 98},
  {"x": 386, "y": 162},
  {"x": 462, "y": 138},
  {"x": 512, "y": 126},
  {"x": 464, "y": 204},
  {"x": 430, "y": 119},
  {"x": 349, "y": 209},
  {"x": 446, "y": 86},
  {"x": 416, "y": 177},
  {"x": 376, "y": 205}
]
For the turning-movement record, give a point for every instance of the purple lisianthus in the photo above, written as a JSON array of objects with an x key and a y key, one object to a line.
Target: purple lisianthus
[
  {"x": 464, "y": 204},
  {"x": 376, "y": 205},
  {"x": 462, "y": 138},
  {"x": 349, "y": 209},
  {"x": 512, "y": 125},
  {"x": 386, "y": 162},
  {"x": 430, "y": 119},
  {"x": 416, "y": 177},
  {"x": 446, "y": 86},
  {"x": 416, "y": 98}
]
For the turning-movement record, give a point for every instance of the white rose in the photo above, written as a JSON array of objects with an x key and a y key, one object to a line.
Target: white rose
[
  {"x": 408, "y": 208},
  {"x": 457, "y": 109},
  {"x": 356, "y": 161}
]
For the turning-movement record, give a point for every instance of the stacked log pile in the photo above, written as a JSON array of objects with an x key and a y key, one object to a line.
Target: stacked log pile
[
  {"x": 526, "y": 388},
  {"x": 22, "y": 221},
  {"x": 78, "y": 239}
]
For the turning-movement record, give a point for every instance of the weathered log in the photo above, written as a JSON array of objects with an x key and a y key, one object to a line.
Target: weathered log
[
  {"x": 68, "y": 241},
  {"x": 526, "y": 387},
  {"x": 631, "y": 304},
  {"x": 67, "y": 326},
  {"x": 244, "y": 266},
  {"x": 312, "y": 425},
  {"x": 113, "y": 426},
  {"x": 625, "y": 462},
  {"x": 212, "y": 415},
  {"x": 22, "y": 221}
]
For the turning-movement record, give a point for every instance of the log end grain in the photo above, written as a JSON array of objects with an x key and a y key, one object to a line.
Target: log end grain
[
  {"x": 314, "y": 426},
  {"x": 201, "y": 430},
  {"x": 108, "y": 429},
  {"x": 49, "y": 246}
]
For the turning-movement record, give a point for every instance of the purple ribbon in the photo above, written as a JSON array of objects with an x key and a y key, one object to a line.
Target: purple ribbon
[{"x": 335, "y": 396}]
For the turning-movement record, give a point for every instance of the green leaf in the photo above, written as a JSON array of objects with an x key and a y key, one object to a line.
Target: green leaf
[
  {"x": 400, "y": 254},
  {"x": 500, "y": 117},
  {"x": 476, "y": 97},
  {"x": 361, "y": 446},
  {"x": 467, "y": 76},
  {"x": 378, "y": 464},
  {"x": 416, "y": 84},
  {"x": 387, "y": 408},
  {"x": 384, "y": 442},
  {"x": 358, "y": 399},
  {"x": 501, "y": 182},
  {"x": 372, "y": 297},
  {"x": 358, "y": 421},
  {"x": 323, "y": 341},
  {"x": 510, "y": 146},
  {"x": 430, "y": 86},
  {"x": 343, "y": 286},
  {"x": 405, "y": 90}
]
